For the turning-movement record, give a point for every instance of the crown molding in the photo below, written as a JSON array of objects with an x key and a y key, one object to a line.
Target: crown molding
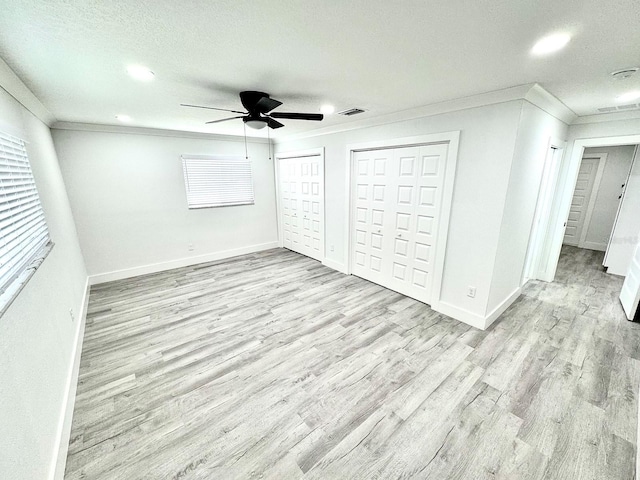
[
  {"x": 532, "y": 92},
  {"x": 14, "y": 86},
  {"x": 608, "y": 117},
  {"x": 159, "y": 132},
  {"x": 542, "y": 99}
]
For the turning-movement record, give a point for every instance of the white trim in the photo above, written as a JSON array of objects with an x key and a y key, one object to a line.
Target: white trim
[
  {"x": 14, "y": 86},
  {"x": 158, "y": 132},
  {"x": 539, "y": 232},
  {"x": 63, "y": 433},
  {"x": 453, "y": 140},
  {"x": 473, "y": 319},
  {"x": 339, "y": 266},
  {"x": 532, "y": 92},
  {"x": 179, "y": 263},
  {"x": 565, "y": 192},
  {"x": 607, "y": 117},
  {"x": 460, "y": 314},
  {"x": 601, "y": 247},
  {"x": 502, "y": 307},
  {"x": 542, "y": 99},
  {"x": 602, "y": 161},
  {"x": 311, "y": 152}
]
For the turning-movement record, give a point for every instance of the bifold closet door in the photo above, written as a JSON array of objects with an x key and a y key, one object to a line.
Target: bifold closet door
[
  {"x": 301, "y": 187},
  {"x": 397, "y": 195}
]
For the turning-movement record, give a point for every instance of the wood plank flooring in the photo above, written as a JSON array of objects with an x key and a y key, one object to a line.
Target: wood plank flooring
[{"x": 272, "y": 366}]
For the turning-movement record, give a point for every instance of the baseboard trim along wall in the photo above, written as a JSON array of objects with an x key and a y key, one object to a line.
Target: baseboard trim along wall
[
  {"x": 179, "y": 263},
  {"x": 66, "y": 415},
  {"x": 340, "y": 267},
  {"x": 601, "y": 247},
  {"x": 457, "y": 313},
  {"x": 500, "y": 309}
]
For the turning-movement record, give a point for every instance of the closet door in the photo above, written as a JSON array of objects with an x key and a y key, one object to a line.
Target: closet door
[
  {"x": 372, "y": 225},
  {"x": 301, "y": 189},
  {"x": 397, "y": 198}
]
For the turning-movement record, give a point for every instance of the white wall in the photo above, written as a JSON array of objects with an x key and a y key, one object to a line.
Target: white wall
[
  {"x": 37, "y": 336},
  {"x": 535, "y": 131},
  {"x": 487, "y": 141},
  {"x": 606, "y": 203},
  {"x": 128, "y": 197}
]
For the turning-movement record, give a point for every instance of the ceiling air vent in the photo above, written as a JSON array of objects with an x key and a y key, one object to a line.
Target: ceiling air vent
[
  {"x": 351, "y": 111},
  {"x": 619, "y": 108},
  {"x": 624, "y": 74}
]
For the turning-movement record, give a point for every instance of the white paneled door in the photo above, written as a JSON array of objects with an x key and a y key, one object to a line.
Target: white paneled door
[
  {"x": 580, "y": 201},
  {"x": 630, "y": 294},
  {"x": 301, "y": 190},
  {"x": 397, "y": 196}
]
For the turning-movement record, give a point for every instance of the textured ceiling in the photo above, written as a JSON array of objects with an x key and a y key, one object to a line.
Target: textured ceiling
[{"x": 380, "y": 55}]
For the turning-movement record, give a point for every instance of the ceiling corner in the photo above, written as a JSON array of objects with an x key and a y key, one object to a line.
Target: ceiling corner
[
  {"x": 14, "y": 86},
  {"x": 544, "y": 100}
]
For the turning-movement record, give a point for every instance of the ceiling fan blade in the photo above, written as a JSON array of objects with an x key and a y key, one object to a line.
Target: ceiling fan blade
[
  {"x": 274, "y": 123},
  {"x": 297, "y": 116},
  {"x": 266, "y": 104},
  {"x": 223, "y": 120},
  {"x": 212, "y": 108}
]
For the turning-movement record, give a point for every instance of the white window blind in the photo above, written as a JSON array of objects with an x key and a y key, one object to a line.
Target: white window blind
[
  {"x": 23, "y": 230},
  {"x": 217, "y": 181}
]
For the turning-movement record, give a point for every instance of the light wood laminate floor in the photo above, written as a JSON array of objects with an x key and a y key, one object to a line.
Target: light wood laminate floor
[{"x": 273, "y": 366}]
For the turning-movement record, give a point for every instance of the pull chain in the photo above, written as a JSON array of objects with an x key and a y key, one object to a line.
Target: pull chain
[
  {"x": 269, "y": 142},
  {"x": 246, "y": 151}
]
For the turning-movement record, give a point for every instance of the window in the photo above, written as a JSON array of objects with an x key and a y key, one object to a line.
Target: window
[
  {"x": 24, "y": 238},
  {"x": 216, "y": 181}
]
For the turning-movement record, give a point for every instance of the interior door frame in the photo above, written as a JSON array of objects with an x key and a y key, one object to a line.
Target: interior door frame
[
  {"x": 602, "y": 162},
  {"x": 452, "y": 139},
  {"x": 544, "y": 205},
  {"x": 564, "y": 192},
  {"x": 311, "y": 152}
]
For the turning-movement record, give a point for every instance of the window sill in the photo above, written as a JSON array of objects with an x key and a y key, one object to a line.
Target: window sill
[{"x": 11, "y": 293}]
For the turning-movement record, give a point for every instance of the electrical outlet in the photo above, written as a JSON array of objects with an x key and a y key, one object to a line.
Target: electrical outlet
[
  {"x": 331, "y": 248},
  {"x": 71, "y": 314},
  {"x": 471, "y": 292},
  {"x": 191, "y": 247}
]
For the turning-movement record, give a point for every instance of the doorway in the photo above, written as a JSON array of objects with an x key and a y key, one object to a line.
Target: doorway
[
  {"x": 400, "y": 193},
  {"x": 300, "y": 194},
  {"x": 620, "y": 240}
]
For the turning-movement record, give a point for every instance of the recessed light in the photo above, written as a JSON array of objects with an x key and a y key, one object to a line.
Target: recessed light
[
  {"x": 629, "y": 96},
  {"x": 140, "y": 73},
  {"x": 551, "y": 43},
  {"x": 327, "y": 109},
  {"x": 123, "y": 118}
]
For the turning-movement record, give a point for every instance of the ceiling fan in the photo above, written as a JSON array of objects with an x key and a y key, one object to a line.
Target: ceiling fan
[{"x": 259, "y": 106}]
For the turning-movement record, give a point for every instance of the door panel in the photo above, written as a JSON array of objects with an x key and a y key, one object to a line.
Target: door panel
[
  {"x": 397, "y": 198},
  {"x": 580, "y": 201},
  {"x": 301, "y": 186},
  {"x": 630, "y": 294}
]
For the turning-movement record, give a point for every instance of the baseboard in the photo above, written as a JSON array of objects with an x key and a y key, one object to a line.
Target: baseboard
[
  {"x": 601, "y": 247},
  {"x": 465, "y": 316},
  {"x": 340, "y": 267},
  {"x": 66, "y": 416},
  {"x": 502, "y": 307},
  {"x": 181, "y": 262}
]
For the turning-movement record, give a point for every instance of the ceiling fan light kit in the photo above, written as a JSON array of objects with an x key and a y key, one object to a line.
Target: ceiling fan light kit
[{"x": 259, "y": 106}]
